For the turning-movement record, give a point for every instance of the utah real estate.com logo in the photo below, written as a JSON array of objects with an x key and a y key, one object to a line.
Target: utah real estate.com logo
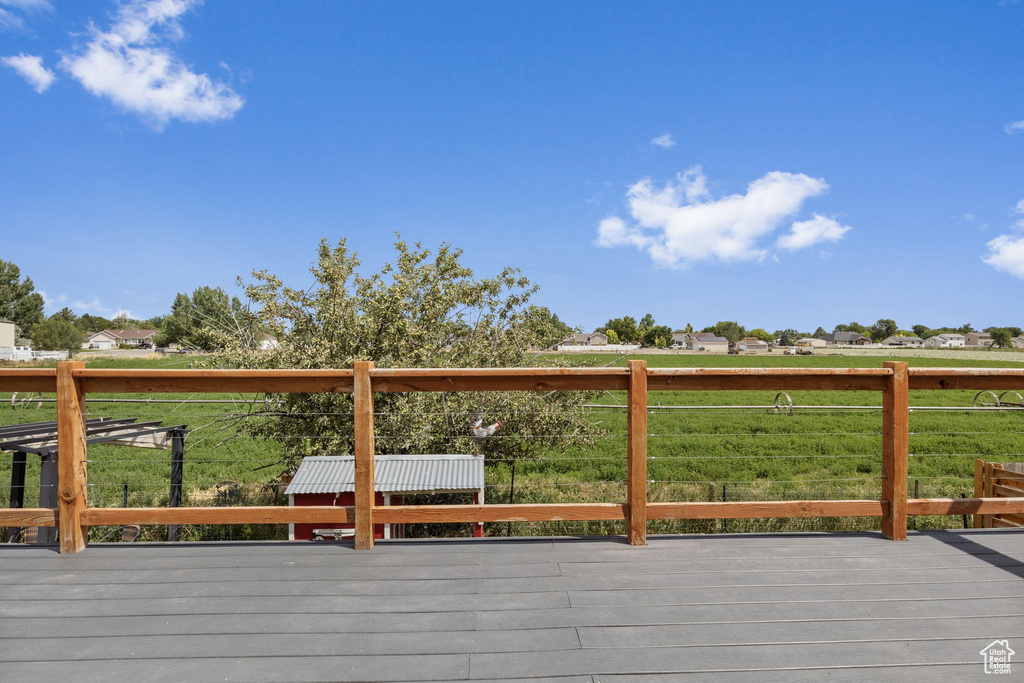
[{"x": 997, "y": 657}]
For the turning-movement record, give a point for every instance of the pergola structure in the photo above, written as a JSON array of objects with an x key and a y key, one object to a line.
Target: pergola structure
[{"x": 40, "y": 438}]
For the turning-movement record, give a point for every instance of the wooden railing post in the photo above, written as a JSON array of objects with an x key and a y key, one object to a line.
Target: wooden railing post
[
  {"x": 636, "y": 477},
  {"x": 978, "y": 521},
  {"x": 72, "y": 498},
  {"x": 362, "y": 399},
  {"x": 988, "y": 491},
  {"x": 895, "y": 450}
]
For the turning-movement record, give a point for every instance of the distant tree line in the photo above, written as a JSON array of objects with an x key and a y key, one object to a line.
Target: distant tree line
[{"x": 209, "y": 319}]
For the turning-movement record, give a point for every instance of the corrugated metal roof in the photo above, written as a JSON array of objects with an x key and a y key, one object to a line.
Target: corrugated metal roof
[{"x": 392, "y": 473}]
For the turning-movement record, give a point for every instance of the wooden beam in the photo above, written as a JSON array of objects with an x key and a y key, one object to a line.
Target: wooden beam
[
  {"x": 979, "y": 491},
  {"x": 967, "y": 378},
  {"x": 71, "y": 459},
  {"x": 767, "y": 509},
  {"x": 1000, "y": 491},
  {"x": 542, "y": 512},
  {"x": 964, "y": 506},
  {"x": 636, "y": 452},
  {"x": 271, "y": 514},
  {"x": 364, "y": 448},
  {"x": 986, "y": 521},
  {"x": 895, "y": 450},
  {"x": 28, "y": 517},
  {"x": 387, "y": 380},
  {"x": 748, "y": 379},
  {"x": 216, "y": 381},
  {"x": 33, "y": 379}
]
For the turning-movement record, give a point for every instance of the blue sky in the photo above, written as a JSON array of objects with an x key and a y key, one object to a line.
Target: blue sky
[{"x": 780, "y": 164}]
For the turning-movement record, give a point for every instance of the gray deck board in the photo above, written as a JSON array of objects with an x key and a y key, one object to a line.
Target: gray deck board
[{"x": 785, "y": 607}]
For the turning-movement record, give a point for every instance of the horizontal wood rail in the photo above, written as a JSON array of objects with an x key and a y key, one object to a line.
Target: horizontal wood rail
[
  {"x": 215, "y": 381},
  {"x": 267, "y": 514},
  {"x": 964, "y": 506},
  {"x": 72, "y": 382},
  {"x": 751, "y": 379},
  {"x": 33, "y": 379},
  {"x": 767, "y": 509},
  {"x": 535, "y": 512},
  {"x": 28, "y": 517},
  {"x": 993, "y": 379}
]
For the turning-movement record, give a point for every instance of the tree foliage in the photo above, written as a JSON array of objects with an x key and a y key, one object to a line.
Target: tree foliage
[
  {"x": 57, "y": 333},
  {"x": 884, "y": 328},
  {"x": 19, "y": 302},
  {"x": 729, "y": 329},
  {"x": 1001, "y": 337},
  {"x": 760, "y": 333},
  {"x": 209, "y": 320},
  {"x": 423, "y": 309},
  {"x": 625, "y": 328}
]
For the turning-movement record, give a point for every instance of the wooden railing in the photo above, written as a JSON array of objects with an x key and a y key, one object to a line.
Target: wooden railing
[
  {"x": 998, "y": 480},
  {"x": 72, "y": 382}
]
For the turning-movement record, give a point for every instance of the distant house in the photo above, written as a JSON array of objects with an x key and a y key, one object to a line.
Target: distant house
[
  {"x": 752, "y": 344},
  {"x": 679, "y": 339},
  {"x": 834, "y": 339},
  {"x": 978, "y": 339},
  {"x": 1017, "y": 342},
  {"x": 706, "y": 342},
  {"x": 812, "y": 342},
  {"x": 268, "y": 342},
  {"x": 945, "y": 341},
  {"x": 7, "y": 337},
  {"x": 915, "y": 342},
  {"x": 104, "y": 340},
  {"x": 586, "y": 339}
]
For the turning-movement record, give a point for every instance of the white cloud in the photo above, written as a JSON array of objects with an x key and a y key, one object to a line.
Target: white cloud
[
  {"x": 12, "y": 20},
  {"x": 52, "y": 301},
  {"x": 94, "y": 305},
  {"x": 32, "y": 70},
  {"x": 29, "y": 4},
  {"x": 1014, "y": 127},
  {"x": 808, "y": 233},
  {"x": 665, "y": 141},
  {"x": 681, "y": 223},
  {"x": 9, "y": 21},
  {"x": 128, "y": 64},
  {"x": 1006, "y": 253}
]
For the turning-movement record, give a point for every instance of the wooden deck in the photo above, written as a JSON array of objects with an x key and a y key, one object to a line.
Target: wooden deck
[{"x": 799, "y": 607}]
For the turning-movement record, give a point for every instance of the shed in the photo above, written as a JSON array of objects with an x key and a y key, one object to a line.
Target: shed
[{"x": 330, "y": 480}]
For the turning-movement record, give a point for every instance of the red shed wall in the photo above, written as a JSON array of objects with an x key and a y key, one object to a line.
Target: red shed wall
[{"x": 304, "y": 532}]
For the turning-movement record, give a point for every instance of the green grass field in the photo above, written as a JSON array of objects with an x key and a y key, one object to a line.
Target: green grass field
[{"x": 697, "y": 450}]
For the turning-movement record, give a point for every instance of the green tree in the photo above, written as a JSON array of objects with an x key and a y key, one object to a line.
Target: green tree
[
  {"x": 657, "y": 335},
  {"x": 1001, "y": 337},
  {"x": 613, "y": 336},
  {"x": 625, "y": 327},
  {"x": 423, "y": 309},
  {"x": 19, "y": 302},
  {"x": 883, "y": 329},
  {"x": 788, "y": 337},
  {"x": 820, "y": 332},
  {"x": 965, "y": 328},
  {"x": 208, "y": 320},
  {"x": 922, "y": 331},
  {"x": 729, "y": 329},
  {"x": 762, "y": 334},
  {"x": 851, "y": 327},
  {"x": 93, "y": 323},
  {"x": 56, "y": 334}
]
